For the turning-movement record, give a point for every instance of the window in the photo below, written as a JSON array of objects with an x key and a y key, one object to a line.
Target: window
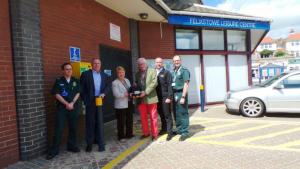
[
  {"x": 213, "y": 39},
  {"x": 292, "y": 81},
  {"x": 236, "y": 40},
  {"x": 292, "y": 43},
  {"x": 187, "y": 39},
  {"x": 297, "y": 43}
]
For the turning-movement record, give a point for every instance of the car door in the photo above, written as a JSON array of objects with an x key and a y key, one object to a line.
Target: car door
[{"x": 285, "y": 97}]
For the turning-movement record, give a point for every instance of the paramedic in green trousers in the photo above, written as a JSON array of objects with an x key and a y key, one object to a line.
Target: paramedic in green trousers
[
  {"x": 66, "y": 90},
  {"x": 180, "y": 85}
]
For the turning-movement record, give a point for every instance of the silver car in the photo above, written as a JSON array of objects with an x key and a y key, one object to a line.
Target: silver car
[{"x": 278, "y": 94}]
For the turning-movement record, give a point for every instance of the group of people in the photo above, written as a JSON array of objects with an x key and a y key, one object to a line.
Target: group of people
[{"x": 154, "y": 91}]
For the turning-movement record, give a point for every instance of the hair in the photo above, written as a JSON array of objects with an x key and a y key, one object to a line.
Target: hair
[
  {"x": 96, "y": 59},
  {"x": 177, "y": 56},
  {"x": 64, "y": 64},
  {"x": 141, "y": 60},
  {"x": 159, "y": 58},
  {"x": 120, "y": 68}
]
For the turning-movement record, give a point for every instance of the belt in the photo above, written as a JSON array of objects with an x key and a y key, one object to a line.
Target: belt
[{"x": 177, "y": 90}]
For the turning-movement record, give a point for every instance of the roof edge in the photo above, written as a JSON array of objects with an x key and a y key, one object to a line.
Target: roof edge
[
  {"x": 153, "y": 4},
  {"x": 170, "y": 11}
]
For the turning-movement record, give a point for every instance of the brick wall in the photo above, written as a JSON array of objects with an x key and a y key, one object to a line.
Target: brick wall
[
  {"x": 79, "y": 23},
  {"x": 156, "y": 41},
  {"x": 28, "y": 69},
  {"x": 9, "y": 147}
]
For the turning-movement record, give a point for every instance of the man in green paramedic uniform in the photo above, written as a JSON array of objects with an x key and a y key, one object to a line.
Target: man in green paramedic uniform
[
  {"x": 66, "y": 91},
  {"x": 180, "y": 84}
]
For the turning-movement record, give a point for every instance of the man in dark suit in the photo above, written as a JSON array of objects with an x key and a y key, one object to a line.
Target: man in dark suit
[
  {"x": 164, "y": 93},
  {"x": 94, "y": 88}
]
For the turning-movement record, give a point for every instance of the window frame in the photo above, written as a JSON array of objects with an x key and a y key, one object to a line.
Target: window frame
[
  {"x": 286, "y": 87},
  {"x": 186, "y": 28},
  {"x": 201, "y": 50},
  {"x": 244, "y": 43}
]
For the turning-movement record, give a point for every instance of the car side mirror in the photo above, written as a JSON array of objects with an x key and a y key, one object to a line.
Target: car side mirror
[{"x": 279, "y": 87}]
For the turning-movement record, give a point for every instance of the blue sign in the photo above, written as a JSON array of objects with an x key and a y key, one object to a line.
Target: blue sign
[
  {"x": 217, "y": 22},
  {"x": 107, "y": 72},
  {"x": 75, "y": 54}
]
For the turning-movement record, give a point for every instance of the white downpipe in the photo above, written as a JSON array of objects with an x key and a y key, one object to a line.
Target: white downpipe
[{"x": 170, "y": 11}]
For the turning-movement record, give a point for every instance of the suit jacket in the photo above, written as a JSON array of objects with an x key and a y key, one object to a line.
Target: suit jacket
[
  {"x": 150, "y": 85},
  {"x": 164, "y": 87},
  {"x": 88, "y": 87},
  {"x": 119, "y": 90}
]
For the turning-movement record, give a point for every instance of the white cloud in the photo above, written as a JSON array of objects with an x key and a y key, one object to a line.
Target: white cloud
[{"x": 284, "y": 13}]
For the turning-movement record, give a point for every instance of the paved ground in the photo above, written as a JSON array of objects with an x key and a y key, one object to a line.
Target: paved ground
[{"x": 218, "y": 141}]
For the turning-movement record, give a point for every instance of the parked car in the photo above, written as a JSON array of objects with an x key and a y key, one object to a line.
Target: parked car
[{"x": 278, "y": 94}]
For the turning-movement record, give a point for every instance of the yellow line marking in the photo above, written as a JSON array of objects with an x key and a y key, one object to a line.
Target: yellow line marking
[
  {"x": 251, "y": 120},
  {"x": 202, "y": 121},
  {"x": 163, "y": 137},
  {"x": 125, "y": 154},
  {"x": 231, "y": 132},
  {"x": 231, "y": 144},
  {"x": 247, "y": 140},
  {"x": 289, "y": 144},
  {"x": 222, "y": 126}
]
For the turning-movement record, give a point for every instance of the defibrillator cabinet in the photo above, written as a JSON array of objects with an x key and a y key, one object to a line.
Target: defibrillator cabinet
[{"x": 79, "y": 67}]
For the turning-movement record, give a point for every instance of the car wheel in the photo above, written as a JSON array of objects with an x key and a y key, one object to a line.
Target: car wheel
[{"x": 252, "y": 107}]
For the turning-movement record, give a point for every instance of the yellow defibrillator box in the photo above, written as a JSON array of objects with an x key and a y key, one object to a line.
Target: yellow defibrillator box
[{"x": 79, "y": 67}]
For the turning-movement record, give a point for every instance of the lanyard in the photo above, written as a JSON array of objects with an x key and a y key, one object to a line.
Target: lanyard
[
  {"x": 176, "y": 73},
  {"x": 124, "y": 84}
]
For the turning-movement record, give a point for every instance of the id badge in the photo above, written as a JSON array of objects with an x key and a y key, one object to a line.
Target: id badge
[
  {"x": 64, "y": 93},
  {"x": 173, "y": 84}
]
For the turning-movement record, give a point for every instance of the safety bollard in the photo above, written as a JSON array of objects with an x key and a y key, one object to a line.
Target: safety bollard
[{"x": 202, "y": 97}]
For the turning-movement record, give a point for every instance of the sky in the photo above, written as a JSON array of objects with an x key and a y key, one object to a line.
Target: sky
[{"x": 285, "y": 14}]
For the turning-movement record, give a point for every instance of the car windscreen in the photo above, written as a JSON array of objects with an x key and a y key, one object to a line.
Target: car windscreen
[{"x": 271, "y": 80}]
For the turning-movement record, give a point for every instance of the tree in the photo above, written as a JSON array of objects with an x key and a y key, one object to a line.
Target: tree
[
  {"x": 280, "y": 54},
  {"x": 266, "y": 53}
]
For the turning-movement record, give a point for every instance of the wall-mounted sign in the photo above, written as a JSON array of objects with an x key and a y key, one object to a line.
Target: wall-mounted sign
[
  {"x": 217, "y": 22},
  {"x": 74, "y": 54},
  {"x": 108, "y": 72},
  {"x": 115, "y": 32}
]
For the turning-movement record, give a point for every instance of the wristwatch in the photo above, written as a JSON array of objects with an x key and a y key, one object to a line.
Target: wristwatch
[{"x": 183, "y": 97}]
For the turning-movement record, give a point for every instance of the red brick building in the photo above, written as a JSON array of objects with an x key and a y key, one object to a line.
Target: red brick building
[{"x": 36, "y": 36}]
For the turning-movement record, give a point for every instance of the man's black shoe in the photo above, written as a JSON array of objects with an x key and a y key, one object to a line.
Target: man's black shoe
[
  {"x": 143, "y": 136},
  {"x": 74, "y": 149},
  {"x": 154, "y": 138},
  {"x": 50, "y": 156},
  {"x": 120, "y": 138},
  {"x": 162, "y": 132},
  {"x": 130, "y": 136},
  {"x": 101, "y": 149},
  {"x": 88, "y": 148},
  {"x": 169, "y": 137},
  {"x": 183, "y": 137}
]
